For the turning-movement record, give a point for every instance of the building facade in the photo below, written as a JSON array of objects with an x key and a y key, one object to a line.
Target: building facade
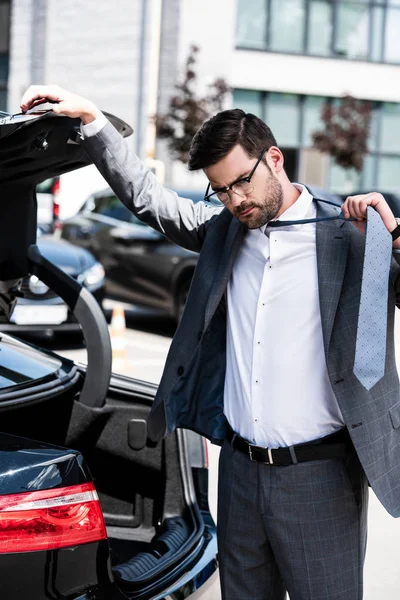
[{"x": 283, "y": 59}]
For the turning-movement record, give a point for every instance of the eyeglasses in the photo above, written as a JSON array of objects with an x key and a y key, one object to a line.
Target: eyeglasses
[{"x": 242, "y": 187}]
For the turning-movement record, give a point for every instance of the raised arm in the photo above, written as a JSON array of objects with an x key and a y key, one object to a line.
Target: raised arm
[{"x": 180, "y": 219}]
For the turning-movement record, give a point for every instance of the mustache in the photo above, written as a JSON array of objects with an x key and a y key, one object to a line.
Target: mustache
[{"x": 244, "y": 207}]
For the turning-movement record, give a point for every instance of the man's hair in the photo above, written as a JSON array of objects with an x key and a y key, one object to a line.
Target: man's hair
[{"x": 217, "y": 136}]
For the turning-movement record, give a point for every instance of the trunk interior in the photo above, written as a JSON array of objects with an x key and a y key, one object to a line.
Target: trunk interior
[{"x": 145, "y": 489}]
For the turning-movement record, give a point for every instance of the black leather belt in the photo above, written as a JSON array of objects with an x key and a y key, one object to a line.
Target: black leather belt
[{"x": 335, "y": 445}]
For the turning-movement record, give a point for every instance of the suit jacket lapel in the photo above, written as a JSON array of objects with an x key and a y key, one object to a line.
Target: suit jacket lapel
[
  {"x": 332, "y": 241},
  {"x": 233, "y": 241}
]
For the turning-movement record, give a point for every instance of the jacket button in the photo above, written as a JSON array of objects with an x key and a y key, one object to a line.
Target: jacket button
[{"x": 180, "y": 370}]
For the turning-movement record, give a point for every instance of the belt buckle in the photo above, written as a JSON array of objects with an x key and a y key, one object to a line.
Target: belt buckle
[{"x": 269, "y": 462}]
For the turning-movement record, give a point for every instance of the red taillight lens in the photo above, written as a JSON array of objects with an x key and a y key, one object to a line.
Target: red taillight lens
[
  {"x": 56, "y": 209},
  {"x": 55, "y": 190},
  {"x": 50, "y": 519}
]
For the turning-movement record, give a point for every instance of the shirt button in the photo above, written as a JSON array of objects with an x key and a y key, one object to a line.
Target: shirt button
[
  {"x": 256, "y": 380},
  {"x": 258, "y": 343}
]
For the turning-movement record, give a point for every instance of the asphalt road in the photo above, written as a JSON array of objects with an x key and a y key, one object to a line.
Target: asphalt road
[{"x": 145, "y": 345}]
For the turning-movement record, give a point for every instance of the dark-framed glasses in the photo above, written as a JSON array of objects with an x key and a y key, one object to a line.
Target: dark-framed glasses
[{"x": 242, "y": 187}]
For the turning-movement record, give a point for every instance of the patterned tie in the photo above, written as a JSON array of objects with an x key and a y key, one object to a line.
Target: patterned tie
[
  {"x": 369, "y": 361},
  {"x": 370, "y": 355}
]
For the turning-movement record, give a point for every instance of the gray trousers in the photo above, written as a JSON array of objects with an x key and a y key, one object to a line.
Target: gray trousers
[{"x": 300, "y": 529}]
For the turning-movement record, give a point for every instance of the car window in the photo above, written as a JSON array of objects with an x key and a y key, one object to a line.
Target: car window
[
  {"x": 112, "y": 207},
  {"x": 45, "y": 187},
  {"x": 21, "y": 364}
]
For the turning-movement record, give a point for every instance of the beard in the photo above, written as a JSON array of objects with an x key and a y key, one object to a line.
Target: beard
[{"x": 263, "y": 211}]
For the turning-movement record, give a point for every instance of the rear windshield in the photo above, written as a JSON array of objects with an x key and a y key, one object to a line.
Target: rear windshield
[
  {"x": 20, "y": 364},
  {"x": 45, "y": 187}
]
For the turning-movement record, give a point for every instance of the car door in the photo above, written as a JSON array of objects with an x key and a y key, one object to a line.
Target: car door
[{"x": 140, "y": 263}]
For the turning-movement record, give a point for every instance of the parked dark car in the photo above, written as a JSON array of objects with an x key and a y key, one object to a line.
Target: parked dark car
[
  {"x": 142, "y": 266},
  {"x": 38, "y": 307},
  {"x": 90, "y": 509}
]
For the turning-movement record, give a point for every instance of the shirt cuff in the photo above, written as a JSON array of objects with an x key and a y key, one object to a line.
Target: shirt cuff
[
  {"x": 396, "y": 250},
  {"x": 94, "y": 127}
]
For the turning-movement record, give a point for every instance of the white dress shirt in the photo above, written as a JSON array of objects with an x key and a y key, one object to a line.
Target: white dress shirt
[{"x": 277, "y": 391}]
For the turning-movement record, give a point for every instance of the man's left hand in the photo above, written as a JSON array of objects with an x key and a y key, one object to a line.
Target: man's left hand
[{"x": 356, "y": 207}]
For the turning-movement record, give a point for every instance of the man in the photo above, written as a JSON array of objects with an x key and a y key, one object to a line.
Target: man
[{"x": 262, "y": 361}]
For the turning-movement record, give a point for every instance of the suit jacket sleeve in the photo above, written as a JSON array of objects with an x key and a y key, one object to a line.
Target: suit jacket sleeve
[
  {"x": 395, "y": 275},
  {"x": 179, "y": 219}
]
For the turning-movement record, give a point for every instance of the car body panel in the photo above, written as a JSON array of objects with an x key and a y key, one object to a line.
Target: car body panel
[
  {"x": 142, "y": 266},
  {"x": 88, "y": 426}
]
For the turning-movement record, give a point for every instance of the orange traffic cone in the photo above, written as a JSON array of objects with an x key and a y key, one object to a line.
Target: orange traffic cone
[{"x": 118, "y": 339}]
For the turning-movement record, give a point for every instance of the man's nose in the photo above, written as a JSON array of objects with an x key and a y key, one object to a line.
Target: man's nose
[{"x": 236, "y": 199}]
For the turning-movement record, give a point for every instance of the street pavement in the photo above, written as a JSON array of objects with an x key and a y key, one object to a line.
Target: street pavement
[{"x": 147, "y": 341}]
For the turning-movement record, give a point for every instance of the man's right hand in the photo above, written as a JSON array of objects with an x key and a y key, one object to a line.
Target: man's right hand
[{"x": 65, "y": 103}]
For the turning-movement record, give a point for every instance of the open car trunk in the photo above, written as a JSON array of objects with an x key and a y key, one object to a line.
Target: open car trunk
[{"x": 154, "y": 524}]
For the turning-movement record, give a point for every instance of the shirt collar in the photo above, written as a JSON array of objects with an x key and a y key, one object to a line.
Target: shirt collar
[{"x": 298, "y": 210}]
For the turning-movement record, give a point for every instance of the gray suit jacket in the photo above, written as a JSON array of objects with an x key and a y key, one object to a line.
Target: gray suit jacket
[{"x": 190, "y": 393}]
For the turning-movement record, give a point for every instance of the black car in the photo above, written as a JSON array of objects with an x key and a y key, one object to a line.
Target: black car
[
  {"x": 90, "y": 509},
  {"x": 142, "y": 266},
  {"x": 38, "y": 307}
]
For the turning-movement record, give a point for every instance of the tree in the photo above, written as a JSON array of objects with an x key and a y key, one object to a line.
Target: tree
[
  {"x": 187, "y": 112},
  {"x": 346, "y": 132}
]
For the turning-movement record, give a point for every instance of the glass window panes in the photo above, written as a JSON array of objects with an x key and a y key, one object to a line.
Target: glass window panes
[
  {"x": 251, "y": 23},
  {"x": 378, "y": 17},
  {"x": 283, "y": 117},
  {"x": 392, "y": 40},
  {"x": 368, "y": 172},
  {"x": 352, "y": 30},
  {"x": 312, "y": 117},
  {"x": 343, "y": 181},
  {"x": 320, "y": 28},
  {"x": 249, "y": 101},
  {"x": 374, "y": 129},
  {"x": 287, "y": 25},
  {"x": 390, "y": 128},
  {"x": 388, "y": 173}
]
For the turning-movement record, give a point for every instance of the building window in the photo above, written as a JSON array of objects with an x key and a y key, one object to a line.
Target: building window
[
  {"x": 287, "y": 25},
  {"x": 319, "y": 34},
  {"x": 352, "y": 29},
  {"x": 293, "y": 119},
  {"x": 251, "y": 24}
]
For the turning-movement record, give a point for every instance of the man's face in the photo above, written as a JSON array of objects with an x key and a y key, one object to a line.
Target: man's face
[{"x": 265, "y": 200}]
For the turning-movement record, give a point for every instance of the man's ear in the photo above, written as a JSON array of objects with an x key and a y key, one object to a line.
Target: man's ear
[{"x": 275, "y": 159}]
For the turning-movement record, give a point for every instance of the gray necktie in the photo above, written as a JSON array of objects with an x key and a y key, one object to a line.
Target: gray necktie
[{"x": 369, "y": 361}]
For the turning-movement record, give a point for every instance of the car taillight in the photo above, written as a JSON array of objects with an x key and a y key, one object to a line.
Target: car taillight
[
  {"x": 50, "y": 519},
  {"x": 55, "y": 190}
]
